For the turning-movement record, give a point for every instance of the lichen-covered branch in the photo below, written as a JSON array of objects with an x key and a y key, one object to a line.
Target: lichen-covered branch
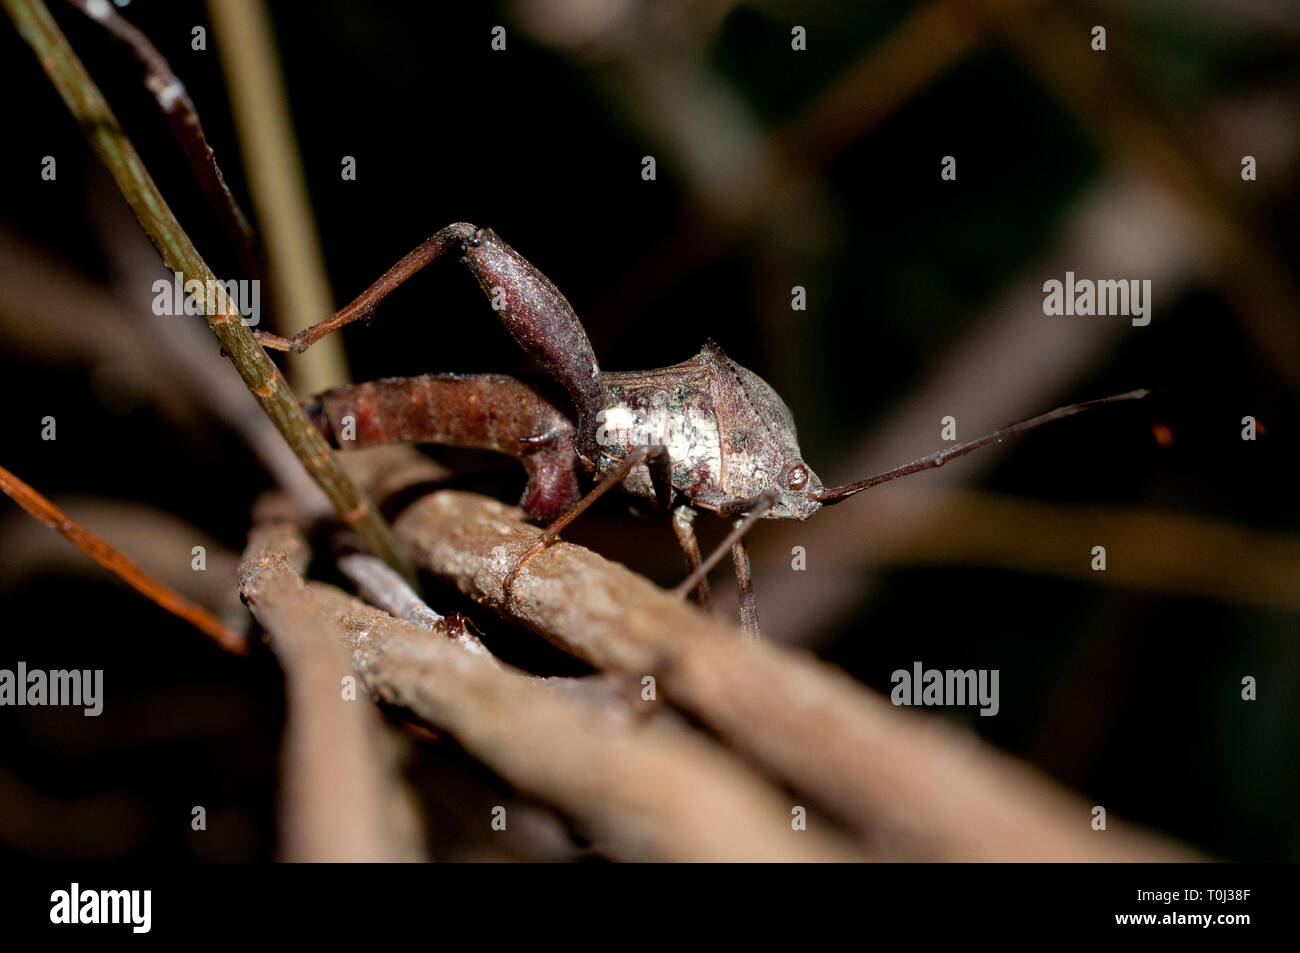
[
  {"x": 917, "y": 787},
  {"x": 646, "y": 789},
  {"x": 339, "y": 798}
]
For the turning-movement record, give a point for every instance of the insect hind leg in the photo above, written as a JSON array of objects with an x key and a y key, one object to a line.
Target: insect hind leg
[{"x": 655, "y": 458}]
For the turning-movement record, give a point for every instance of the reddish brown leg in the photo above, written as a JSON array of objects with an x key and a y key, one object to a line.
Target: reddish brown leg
[
  {"x": 531, "y": 308},
  {"x": 684, "y": 527},
  {"x": 488, "y": 411},
  {"x": 655, "y": 458},
  {"x": 748, "y": 604},
  {"x": 450, "y": 238}
]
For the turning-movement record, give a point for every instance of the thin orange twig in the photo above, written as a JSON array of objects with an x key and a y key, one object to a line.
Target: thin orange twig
[{"x": 118, "y": 564}]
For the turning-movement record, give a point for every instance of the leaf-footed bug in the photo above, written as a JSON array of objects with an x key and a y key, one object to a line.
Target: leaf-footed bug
[{"x": 704, "y": 433}]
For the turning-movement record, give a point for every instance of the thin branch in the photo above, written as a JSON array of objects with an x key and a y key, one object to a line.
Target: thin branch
[
  {"x": 919, "y": 787},
  {"x": 380, "y": 586},
  {"x": 88, "y": 106},
  {"x": 122, "y": 567},
  {"x": 274, "y": 169},
  {"x": 339, "y": 800},
  {"x": 152, "y": 536},
  {"x": 183, "y": 118},
  {"x": 642, "y": 790}
]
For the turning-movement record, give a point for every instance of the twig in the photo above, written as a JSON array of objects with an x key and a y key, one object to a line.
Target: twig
[
  {"x": 642, "y": 791},
  {"x": 380, "y": 586},
  {"x": 92, "y": 112},
  {"x": 154, "y": 538},
  {"x": 183, "y": 118},
  {"x": 922, "y": 789},
  {"x": 185, "y": 350},
  {"x": 339, "y": 801},
  {"x": 273, "y": 166},
  {"x": 122, "y": 567}
]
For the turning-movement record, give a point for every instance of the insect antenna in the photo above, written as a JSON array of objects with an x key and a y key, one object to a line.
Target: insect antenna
[{"x": 840, "y": 493}]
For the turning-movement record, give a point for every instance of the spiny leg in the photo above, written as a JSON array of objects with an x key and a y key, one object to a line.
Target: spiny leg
[
  {"x": 684, "y": 527},
  {"x": 745, "y": 579},
  {"x": 656, "y": 460},
  {"x": 530, "y": 307}
]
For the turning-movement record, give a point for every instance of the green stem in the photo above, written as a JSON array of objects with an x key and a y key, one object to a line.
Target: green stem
[{"x": 88, "y": 106}]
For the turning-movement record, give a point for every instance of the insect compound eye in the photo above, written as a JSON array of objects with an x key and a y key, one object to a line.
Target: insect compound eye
[{"x": 797, "y": 478}]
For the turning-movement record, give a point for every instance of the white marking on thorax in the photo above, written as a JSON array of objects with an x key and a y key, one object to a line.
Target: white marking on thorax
[{"x": 689, "y": 443}]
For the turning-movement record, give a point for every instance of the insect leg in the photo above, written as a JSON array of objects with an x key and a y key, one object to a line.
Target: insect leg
[
  {"x": 451, "y": 238},
  {"x": 533, "y": 310},
  {"x": 487, "y": 411},
  {"x": 745, "y": 578},
  {"x": 656, "y": 459},
  {"x": 756, "y": 507},
  {"x": 543, "y": 323},
  {"x": 684, "y": 527}
]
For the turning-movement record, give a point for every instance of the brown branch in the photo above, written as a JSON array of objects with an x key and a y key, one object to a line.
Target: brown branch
[
  {"x": 183, "y": 119},
  {"x": 379, "y": 585},
  {"x": 122, "y": 567},
  {"x": 643, "y": 790},
  {"x": 274, "y": 169},
  {"x": 154, "y": 537},
  {"x": 918, "y": 787},
  {"x": 339, "y": 801}
]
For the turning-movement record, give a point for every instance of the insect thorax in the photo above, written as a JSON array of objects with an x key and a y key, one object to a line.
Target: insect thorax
[
  {"x": 670, "y": 407},
  {"x": 727, "y": 432}
]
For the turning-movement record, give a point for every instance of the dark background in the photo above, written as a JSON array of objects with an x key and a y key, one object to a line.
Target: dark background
[{"x": 1124, "y": 690}]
